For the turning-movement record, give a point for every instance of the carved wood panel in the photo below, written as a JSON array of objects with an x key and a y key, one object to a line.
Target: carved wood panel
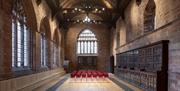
[
  {"x": 87, "y": 62},
  {"x": 145, "y": 67}
]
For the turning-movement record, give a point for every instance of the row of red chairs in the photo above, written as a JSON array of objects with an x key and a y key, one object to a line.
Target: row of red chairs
[{"x": 88, "y": 74}]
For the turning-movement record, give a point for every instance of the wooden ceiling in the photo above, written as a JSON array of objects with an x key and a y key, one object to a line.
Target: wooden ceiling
[{"x": 70, "y": 12}]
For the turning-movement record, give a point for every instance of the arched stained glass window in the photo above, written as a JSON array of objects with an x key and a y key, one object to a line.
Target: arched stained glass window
[
  {"x": 20, "y": 37},
  {"x": 43, "y": 50},
  {"x": 87, "y": 43}
]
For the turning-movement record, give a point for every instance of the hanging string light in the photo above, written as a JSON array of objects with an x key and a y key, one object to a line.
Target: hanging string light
[
  {"x": 87, "y": 19},
  {"x": 86, "y": 9}
]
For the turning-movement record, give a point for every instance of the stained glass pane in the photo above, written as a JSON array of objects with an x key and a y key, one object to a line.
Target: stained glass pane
[
  {"x": 20, "y": 36},
  {"x": 86, "y": 43}
]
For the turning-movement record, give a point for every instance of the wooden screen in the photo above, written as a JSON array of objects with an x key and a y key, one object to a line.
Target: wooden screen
[
  {"x": 145, "y": 67},
  {"x": 87, "y": 62}
]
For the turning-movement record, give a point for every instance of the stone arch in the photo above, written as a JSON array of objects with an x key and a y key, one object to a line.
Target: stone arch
[
  {"x": 30, "y": 13},
  {"x": 118, "y": 38},
  {"x": 56, "y": 37},
  {"x": 149, "y": 16},
  {"x": 56, "y": 48},
  {"x": 82, "y": 30},
  {"x": 89, "y": 28},
  {"x": 45, "y": 32},
  {"x": 22, "y": 13},
  {"x": 45, "y": 28},
  {"x": 123, "y": 34}
]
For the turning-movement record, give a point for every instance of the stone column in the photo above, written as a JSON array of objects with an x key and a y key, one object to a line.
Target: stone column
[
  {"x": 1, "y": 52},
  {"x": 6, "y": 41},
  {"x": 36, "y": 64}
]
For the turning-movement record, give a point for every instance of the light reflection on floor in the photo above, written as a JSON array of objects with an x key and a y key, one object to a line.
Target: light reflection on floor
[{"x": 90, "y": 84}]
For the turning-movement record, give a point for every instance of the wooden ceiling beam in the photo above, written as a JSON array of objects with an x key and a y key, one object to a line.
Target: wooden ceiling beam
[{"x": 65, "y": 9}]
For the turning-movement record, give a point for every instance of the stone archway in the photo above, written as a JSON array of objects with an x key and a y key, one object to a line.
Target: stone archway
[{"x": 149, "y": 16}]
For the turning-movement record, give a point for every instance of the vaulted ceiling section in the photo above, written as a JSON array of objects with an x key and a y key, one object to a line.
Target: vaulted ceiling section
[{"x": 70, "y": 12}]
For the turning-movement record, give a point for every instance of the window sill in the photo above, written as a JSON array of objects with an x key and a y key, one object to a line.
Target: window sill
[
  {"x": 87, "y": 54},
  {"x": 21, "y": 72},
  {"x": 16, "y": 69},
  {"x": 18, "y": 72},
  {"x": 43, "y": 68}
]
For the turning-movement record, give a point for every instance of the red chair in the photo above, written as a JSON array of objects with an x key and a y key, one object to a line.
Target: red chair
[
  {"x": 105, "y": 74},
  {"x": 73, "y": 74},
  {"x": 94, "y": 74},
  {"x": 83, "y": 74},
  {"x": 79, "y": 73},
  {"x": 89, "y": 75},
  {"x": 100, "y": 74}
]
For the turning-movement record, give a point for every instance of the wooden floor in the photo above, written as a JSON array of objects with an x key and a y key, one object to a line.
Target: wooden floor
[{"x": 89, "y": 85}]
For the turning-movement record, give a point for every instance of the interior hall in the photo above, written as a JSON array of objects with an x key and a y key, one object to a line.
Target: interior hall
[{"x": 89, "y": 45}]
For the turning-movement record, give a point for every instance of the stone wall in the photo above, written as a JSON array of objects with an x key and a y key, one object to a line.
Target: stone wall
[
  {"x": 102, "y": 34},
  {"x": 5, "y": 27},
  {"x": 35, "y": 14},
  {"x": 113, "y": 44},
  {"x": 167, "y": 27},
  {"x": 1, "y": 23}
]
